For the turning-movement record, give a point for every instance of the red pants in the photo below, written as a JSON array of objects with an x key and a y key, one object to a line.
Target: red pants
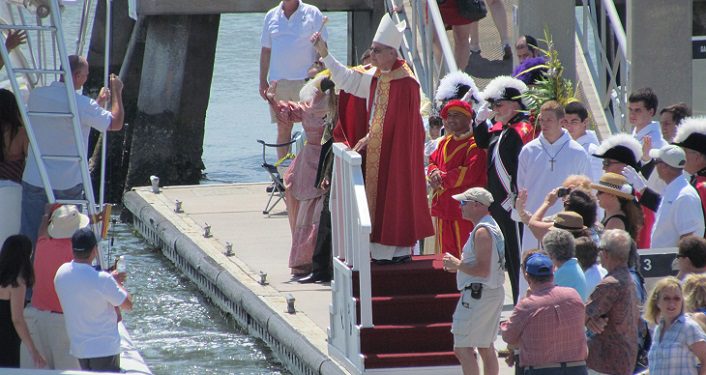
[{"x": 451, "y": 235}]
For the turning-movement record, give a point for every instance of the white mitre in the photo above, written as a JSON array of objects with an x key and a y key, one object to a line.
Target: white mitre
[{"x": 388, "y": 33}]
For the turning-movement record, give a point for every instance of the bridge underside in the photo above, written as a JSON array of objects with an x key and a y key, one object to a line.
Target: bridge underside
[{"x": 191, "y": 7}]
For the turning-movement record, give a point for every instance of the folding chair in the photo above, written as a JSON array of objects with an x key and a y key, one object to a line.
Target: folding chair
[{"x": 276, "y": 193}]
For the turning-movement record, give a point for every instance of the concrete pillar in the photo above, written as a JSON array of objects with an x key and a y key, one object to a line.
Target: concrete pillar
[
  {"x": 559, "y": 17},
  {"x": 659, "y": 48},
  {"x": 361, "y": 29},
  {"x": 177, "y": 70}
]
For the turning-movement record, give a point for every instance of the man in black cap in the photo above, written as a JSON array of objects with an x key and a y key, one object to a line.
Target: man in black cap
[
  {"x": 508, "y": 132},
  {"x": 691, "y": 136},
  {"x": 89, "y": 299}
]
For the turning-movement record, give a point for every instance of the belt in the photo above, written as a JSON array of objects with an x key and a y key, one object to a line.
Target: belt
[
  {"x": 56, "y": 312},
  {"x": 559, "y": 365}
]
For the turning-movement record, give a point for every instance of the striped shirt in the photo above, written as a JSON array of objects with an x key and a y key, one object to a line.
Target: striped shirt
[{"x": 671, "y": 355}]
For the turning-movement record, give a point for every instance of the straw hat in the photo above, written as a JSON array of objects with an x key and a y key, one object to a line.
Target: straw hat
[
  {"x": 65, "y": 220},
  {"x": 616, "y": 184},
  {"x": 568, "y": 220}
]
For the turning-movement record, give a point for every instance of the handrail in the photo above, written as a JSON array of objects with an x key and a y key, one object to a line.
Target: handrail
[
  {"x": 607, "y": 52},
  {"x": 350, "y": 224},
  {"x": 418, "y": 45}
]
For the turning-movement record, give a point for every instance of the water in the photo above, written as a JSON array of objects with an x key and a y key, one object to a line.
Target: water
[
  {"x": 237, "y": 115},
  {"x": 174, "y": 327}
]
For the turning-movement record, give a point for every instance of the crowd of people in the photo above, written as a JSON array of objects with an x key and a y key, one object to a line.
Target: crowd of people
[{"x": 535, "y": 197}]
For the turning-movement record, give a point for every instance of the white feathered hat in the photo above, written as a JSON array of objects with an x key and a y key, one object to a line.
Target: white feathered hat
[
  {"x": 621, "y": 147},
  {"x": 691, "y": 134},
  {"x": 505, "y": 88},
  {"x": 457, "y": 85},
  {"x": 388, "y": 33}
]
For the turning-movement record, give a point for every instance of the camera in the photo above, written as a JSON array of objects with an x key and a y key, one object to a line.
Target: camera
[{"x": 562, "y": 192}]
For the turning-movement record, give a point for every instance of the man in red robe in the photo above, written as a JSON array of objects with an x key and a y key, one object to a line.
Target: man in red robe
[
  {"x": 394, "y": 144},
  {"x": 456, "y": 166}
]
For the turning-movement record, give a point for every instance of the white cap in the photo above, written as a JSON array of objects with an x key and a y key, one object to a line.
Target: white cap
[
  {"x": 671, "y": 155},
  {"x": 388, "y": 33}
]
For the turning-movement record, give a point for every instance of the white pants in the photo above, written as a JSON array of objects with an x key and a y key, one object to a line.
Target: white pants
[
  {"x": 380, "y": 251},
  {"x": 11, "y": 209},
  {"x": 48, "y": 331}
]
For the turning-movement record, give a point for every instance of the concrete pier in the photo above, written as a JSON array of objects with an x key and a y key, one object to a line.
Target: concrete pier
[{"x": 260, "y": 244}]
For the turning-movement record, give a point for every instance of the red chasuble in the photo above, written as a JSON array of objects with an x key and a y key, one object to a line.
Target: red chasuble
[
  {"x": 462, "y": 165},
  {"x": 351, "y": 126},
  {"x": 394, "y": 160}
]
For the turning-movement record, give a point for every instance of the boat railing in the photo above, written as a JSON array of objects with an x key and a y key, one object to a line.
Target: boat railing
[
  {"x": 604, "y": 43},
  {"x": 424, "y": 24},
  {"x": 350, "y": 227}
]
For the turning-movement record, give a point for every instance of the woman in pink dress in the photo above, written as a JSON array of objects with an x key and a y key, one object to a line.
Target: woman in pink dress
[{"x": 304, "y": 199}]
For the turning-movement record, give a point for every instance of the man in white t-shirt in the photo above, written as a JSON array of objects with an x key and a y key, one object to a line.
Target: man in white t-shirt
[
  {"x": 89, "y": 299},
  {"x": 576, "y": 123},
  {"x": 287, "y": 55},
  {"x": 679, "y": 213},
  {"x": 55, "y": 136}
]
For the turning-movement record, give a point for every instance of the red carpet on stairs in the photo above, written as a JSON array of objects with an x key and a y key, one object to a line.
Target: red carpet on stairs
[{"x": 412, "y": 308}]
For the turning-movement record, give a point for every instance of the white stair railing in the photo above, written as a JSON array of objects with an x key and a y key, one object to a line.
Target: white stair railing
[
  {"x": 350, "y": 230},
  {"x": 605, "y": 47}
]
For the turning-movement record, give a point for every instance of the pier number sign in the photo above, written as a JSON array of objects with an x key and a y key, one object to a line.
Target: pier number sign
[{"x": 698, "y": 47}]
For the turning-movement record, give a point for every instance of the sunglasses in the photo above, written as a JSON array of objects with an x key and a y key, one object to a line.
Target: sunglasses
[{"x": 607, "y": 163}]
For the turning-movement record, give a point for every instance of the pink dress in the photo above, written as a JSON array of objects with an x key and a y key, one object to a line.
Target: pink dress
[{"x": 304, "y": 199}]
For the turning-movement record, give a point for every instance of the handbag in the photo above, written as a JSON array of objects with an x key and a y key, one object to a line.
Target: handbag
[{"x": 472, "y": 10}]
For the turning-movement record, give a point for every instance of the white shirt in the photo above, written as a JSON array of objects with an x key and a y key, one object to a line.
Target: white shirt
[
  {"x": 535, "y": 174},
  {"x": 88, "y": 298},
  {"x": 589, "y": 142},
  {"x": 594, "y": 275},
  {"x": 292, "y": 51},
  {"x": 496, "y": 275},
  {"x": 655, "y": 132},
  {"x": 678, "y": 214},
  {"x": 55, "y": 136}
]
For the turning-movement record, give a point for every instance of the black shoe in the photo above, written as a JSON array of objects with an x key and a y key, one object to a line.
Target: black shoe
[
  {"x": 507, "y": 52},
  {"x": 394, "y": 260}
]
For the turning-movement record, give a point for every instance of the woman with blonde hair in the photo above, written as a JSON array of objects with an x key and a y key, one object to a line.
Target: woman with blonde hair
[
  {"x": 695, "y": 297},
  {"x": 679, "y": 344}
]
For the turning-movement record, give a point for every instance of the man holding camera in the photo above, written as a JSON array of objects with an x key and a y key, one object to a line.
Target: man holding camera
[{"x": 479, "y": 277}]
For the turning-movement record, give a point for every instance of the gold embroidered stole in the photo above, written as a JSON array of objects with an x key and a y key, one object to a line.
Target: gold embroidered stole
[{"x": 373, "y": 149}]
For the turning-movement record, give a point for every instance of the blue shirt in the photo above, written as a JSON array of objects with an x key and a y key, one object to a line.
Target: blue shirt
[
  {"x": 671, "y": 354},
  {"x": 571, "y": 275}
]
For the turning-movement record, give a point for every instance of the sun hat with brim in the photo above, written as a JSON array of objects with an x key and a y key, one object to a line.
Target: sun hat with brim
[
  {"x": 616, "y": 184},
  {"x": 568, "y": 220},
  {"x": 64, "y": 221}
]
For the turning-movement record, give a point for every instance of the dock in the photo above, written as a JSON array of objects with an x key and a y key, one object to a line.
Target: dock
[{"x": 260, "y": 245}]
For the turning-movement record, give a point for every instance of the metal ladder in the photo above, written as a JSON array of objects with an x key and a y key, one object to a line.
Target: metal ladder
[{"x": 55, "y": 30}]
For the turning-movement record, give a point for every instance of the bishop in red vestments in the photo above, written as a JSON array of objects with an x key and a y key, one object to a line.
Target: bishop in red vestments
[
  {"x": 394, "y": 143},
  {"x": 456, "y": 166}
]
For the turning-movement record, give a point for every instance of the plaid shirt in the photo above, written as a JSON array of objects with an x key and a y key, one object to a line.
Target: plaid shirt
[
  {"x": 548, "y": 326},
  {"x": 671, "y": 355}
]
